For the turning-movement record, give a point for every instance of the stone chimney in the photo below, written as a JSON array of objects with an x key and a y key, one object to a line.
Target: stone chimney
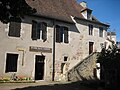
[{"x": 83, "y": 4}]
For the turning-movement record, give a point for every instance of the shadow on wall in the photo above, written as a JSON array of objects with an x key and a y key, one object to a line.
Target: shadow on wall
[{"x": 80, "y": 85}]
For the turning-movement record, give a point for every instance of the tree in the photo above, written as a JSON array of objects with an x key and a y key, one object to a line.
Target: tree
[
  {"x": 109, "y": 60},
  {"x": 109, "y": 57},
  {"x": 15, "y": 9}
]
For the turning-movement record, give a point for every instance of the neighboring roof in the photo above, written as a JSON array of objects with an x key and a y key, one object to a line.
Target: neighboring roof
[
  {"x": 111, "y": 33},
  {"x": 57, "y": 9}
]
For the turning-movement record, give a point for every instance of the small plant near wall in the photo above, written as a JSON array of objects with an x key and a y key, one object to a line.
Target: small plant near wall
[
  {"x": 15, "y": 78},
  {"x": 4, "y": 79},
  {"x": 23, "y": 78}
]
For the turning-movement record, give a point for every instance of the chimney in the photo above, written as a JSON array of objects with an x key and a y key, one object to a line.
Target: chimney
[{"x": 83, "y": 4}]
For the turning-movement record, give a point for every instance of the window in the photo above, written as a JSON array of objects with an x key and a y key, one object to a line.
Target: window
[
  {"x": 65, "y": 34},
  {"x": 100, "y": 32},
  {"x": 11, "y": 62},
  {"x": 61, "y": 34},
  {"x": 39, "y": 31},
  {"x": 58, "y": 34},
  {"x": 90, "y": 29},
  {"x": 91, "y": 47},
  {"x": 14, "y": 29},
  {"x": 89, "y": 15},
  {"x": 65, "y": 58}
]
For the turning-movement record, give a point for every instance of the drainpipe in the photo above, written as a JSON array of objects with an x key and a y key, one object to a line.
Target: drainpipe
[{"x": 54, "y": 36}]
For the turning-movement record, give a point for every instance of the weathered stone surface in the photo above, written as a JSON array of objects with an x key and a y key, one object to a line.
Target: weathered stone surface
[{"x": 83, "y": 70}]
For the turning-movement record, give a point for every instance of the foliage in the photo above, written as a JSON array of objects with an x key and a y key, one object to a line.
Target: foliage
[
  {"x": 15, "y": 9},
  {"x": 109, "y": 58},
  {"x": 110, "y": 67}
]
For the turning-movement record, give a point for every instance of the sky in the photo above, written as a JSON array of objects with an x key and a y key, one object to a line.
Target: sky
[{"x": 106, "y": 11}]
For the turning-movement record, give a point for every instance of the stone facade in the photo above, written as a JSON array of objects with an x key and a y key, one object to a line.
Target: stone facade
[
  {"x": 64, "y": 55},
  {"x": 75, "y": 51},
  {"x": 85, "y": 70}
]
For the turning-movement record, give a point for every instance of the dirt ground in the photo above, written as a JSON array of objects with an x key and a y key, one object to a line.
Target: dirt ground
[{"x": 42, "y": 85}]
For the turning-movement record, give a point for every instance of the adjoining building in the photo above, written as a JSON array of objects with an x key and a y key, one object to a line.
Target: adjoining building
[
  {"x": 111, "y": 39},
  {"x": 47, "y": 44}
]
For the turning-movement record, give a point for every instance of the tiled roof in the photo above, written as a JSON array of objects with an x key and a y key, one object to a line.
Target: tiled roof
[{"x": 57, "y": 9}]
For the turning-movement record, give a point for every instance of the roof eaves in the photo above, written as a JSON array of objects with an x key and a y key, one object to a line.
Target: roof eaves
[
  {"x": 97, "y": 22},
  {"x": 57, "y": 19}
]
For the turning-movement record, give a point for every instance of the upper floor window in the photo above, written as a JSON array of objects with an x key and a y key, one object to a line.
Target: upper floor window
[
  {"x": 39, "y": 31},
  {"x": 61, "y": 34},
  {"x": 90, "y": 29},
  {"x": 100, "y": 32},
  {"x": 14, "y": 29}
]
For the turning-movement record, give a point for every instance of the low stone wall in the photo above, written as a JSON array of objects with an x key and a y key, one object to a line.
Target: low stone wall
[{"x": 84, "y": 70}]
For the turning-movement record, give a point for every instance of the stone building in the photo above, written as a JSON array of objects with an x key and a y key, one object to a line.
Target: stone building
[
  {"x": 47, "y": 44},
  {"x": 111, "y": 39}
]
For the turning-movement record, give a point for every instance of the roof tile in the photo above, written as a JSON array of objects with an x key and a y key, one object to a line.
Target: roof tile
[{"x": 57, "y": 9}]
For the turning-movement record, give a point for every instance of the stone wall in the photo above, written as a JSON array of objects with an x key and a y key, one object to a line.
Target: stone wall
[{"x": 83, "y": 70}]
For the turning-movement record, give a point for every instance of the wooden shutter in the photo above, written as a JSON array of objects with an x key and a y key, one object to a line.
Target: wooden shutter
[
  {"x": 65, "y": 34},
  {"x": 61, "y": 33},
  {"x": 34, "y": 30},
  {"x": 39, "y": 28},
  {"x": 57, "y": 33},
  {"x": 44, "y": 31},
  {"x": 100, "y": 31},
  {"x": 14, "y": 29}
]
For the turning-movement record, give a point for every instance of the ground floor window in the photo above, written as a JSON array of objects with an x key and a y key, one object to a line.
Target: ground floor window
[
  {"x": 91, "y": 47},
  {"x": 11, "y": 62}
]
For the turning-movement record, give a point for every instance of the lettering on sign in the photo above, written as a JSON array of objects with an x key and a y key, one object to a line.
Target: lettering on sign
[{"x": 40, "y": 49}]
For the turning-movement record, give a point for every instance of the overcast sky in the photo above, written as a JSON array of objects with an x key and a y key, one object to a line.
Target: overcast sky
[{"x": 106, "y": 11}]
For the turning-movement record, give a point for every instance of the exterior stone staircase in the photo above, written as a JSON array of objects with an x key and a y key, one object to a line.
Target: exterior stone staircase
[{"x": 84, "y": 70}]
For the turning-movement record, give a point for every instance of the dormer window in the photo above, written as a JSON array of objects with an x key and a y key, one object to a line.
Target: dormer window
[
  {"x": 89, "y": 14},
  {"x": 86, "y": 12}
]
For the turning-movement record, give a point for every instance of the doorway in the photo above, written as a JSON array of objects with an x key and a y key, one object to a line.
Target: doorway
[
  {"x": 91, "y": 47},
  {"x": 39, "y": 67}
]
